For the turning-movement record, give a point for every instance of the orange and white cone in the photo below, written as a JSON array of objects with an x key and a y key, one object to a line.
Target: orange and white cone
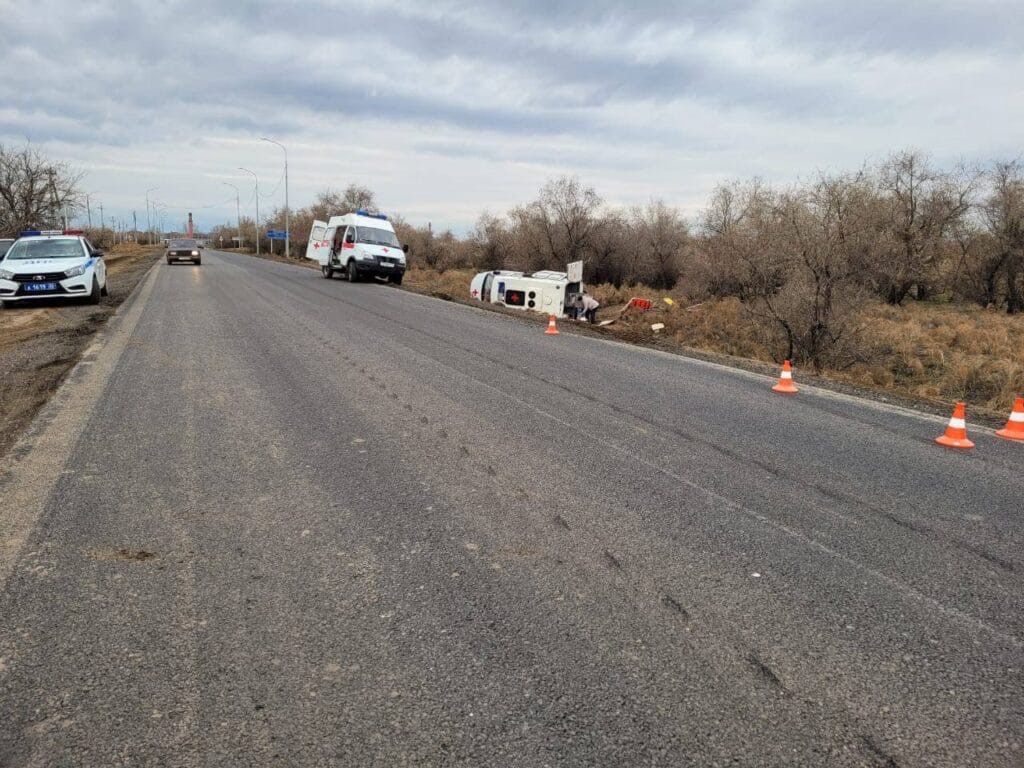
[
  {"x": 956, "y": 433},
  {"x": 786, "y": 385},
  {"x": 1014, "y": 429},
  {"x": 552, "y": 328}
]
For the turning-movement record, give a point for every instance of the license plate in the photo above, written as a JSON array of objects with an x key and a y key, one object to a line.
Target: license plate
[
  {"x": 37, "y": 287},
  {"x": 385, "y": 264}
]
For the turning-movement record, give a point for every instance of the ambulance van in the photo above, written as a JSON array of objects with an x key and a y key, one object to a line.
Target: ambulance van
[
  {"x": 357, "y": 245},
  {"x": 547, "y": 292}
]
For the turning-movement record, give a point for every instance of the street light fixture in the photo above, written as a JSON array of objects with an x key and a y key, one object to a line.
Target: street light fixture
[
  {"x": 238, "y": 212},
  {"x": 287, "y": 210},
  {"x": 257, "y": 206}
]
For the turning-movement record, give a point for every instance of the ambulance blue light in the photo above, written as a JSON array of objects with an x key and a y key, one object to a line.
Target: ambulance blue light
[{"x": 367, "y": 214}]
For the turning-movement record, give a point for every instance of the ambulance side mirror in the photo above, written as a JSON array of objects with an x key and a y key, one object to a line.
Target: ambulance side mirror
[{"x": 405, "y": 248}]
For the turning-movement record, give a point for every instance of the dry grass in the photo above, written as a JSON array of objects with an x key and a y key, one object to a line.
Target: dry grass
[
  {"x": 453, "y": 283},
  {"x": 947, "y": 352},
  {"x": 935, "y": 352}
]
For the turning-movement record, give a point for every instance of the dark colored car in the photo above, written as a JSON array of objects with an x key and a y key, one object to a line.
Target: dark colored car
[{"x": 184, "y": 250}]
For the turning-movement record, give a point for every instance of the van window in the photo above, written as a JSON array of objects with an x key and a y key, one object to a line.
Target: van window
[
  {"x": 375, "y": 236},
  {"x": 515, "y": 297},
  {"x": 488, "y": 282},
  {"x": 318, "y": 233}
]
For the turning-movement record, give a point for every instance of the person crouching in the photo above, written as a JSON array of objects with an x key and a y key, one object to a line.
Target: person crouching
[{"x": 590, "y": 307}]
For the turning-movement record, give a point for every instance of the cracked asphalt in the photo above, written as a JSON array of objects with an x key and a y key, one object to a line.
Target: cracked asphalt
[{"x": 274, "y": 520}]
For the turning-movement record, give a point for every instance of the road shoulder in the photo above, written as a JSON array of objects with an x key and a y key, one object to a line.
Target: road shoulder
[
  {"x": 40, "y": 344},
  {"x": 37, "y": 459}
]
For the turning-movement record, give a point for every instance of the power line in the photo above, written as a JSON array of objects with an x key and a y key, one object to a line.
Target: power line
[{"x": 280, "y": 181}]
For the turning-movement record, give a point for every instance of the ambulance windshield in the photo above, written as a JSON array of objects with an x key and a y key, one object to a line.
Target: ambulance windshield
[{"x": 374, "y": 236}]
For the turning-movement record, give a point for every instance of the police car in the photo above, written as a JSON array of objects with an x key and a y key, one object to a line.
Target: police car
[{"x": 52, "y": 264}]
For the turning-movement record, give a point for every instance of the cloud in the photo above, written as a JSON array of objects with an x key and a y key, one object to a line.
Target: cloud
[{"x": 448, "y": 107}]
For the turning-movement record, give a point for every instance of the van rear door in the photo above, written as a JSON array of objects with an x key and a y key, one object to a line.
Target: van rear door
[{"x": 318, "y": 248}]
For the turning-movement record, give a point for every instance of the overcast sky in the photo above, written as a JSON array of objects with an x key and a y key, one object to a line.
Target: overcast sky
[{"x": 449, "y": 108}]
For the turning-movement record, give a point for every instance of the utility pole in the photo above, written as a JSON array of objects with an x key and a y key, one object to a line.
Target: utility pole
[
  {"x": 238, "y": 213},
  {"x": 287, "y": 209},
  {"x": 54, "y": 208},
  {"x": 257, "y": 206},
  {"x": 149, "y": 225},
  {"x": 88, "y": 210},
  {"x": 135, "y": 228}
]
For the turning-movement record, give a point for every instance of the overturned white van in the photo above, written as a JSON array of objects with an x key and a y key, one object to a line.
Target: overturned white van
[
  {"x": 357, "y": 245},
  {"x": 547, "y": 292}
]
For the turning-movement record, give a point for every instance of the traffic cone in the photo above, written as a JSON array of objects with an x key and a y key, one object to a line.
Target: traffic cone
[
  {"x": 1014, "y": 429},
  {"x": 956, "y": 433},
  {"x": 786, "y": 385},
  {"x": 552, "y": 328}
]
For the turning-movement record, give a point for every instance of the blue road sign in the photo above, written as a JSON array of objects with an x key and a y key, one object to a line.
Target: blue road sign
[{"x": 277, "y": 234}]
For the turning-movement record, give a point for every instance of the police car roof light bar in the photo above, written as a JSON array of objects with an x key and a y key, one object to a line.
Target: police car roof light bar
[{"x": 30, "y": 233}]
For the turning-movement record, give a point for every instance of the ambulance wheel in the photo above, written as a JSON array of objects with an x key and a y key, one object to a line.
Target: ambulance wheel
[
  {"x": 104, "y": 291},
  {"x": 94, "y": 294},
  {"x": 351, "y": 273},
  {"x": 327, "y": 272},
  {"x": 396, "y": 279}
]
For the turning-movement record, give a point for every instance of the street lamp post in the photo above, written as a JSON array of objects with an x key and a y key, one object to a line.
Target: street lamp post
[
  {"x": 238, "y": 212},
  {"x": 149, "y": 225},
  {"x": 257, "y": 206},
  {"x": 287, "y": 210}
]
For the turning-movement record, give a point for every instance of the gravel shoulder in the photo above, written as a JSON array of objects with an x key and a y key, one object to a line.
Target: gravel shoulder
[{"x": 41, "y": 343}]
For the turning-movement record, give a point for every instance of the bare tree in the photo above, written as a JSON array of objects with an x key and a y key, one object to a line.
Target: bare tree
[
  {"x": 659, "y": 235},
  {"x": 558, "y": 226},
  {"x": 921, "y": 208},
  {"x": 736, "y": 253},
  {"x": 610, "y": 250},
  {"x": 35, "y": 191},
  {"x": 357, "y": 198},
  {"x": 1003, "y": 213},
  {"x": 822, "y": 229},
  {"x": 491, "y": 242}
]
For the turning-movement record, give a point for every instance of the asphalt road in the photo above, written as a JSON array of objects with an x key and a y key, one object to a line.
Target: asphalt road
[{"x": 273, "y": 520}]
